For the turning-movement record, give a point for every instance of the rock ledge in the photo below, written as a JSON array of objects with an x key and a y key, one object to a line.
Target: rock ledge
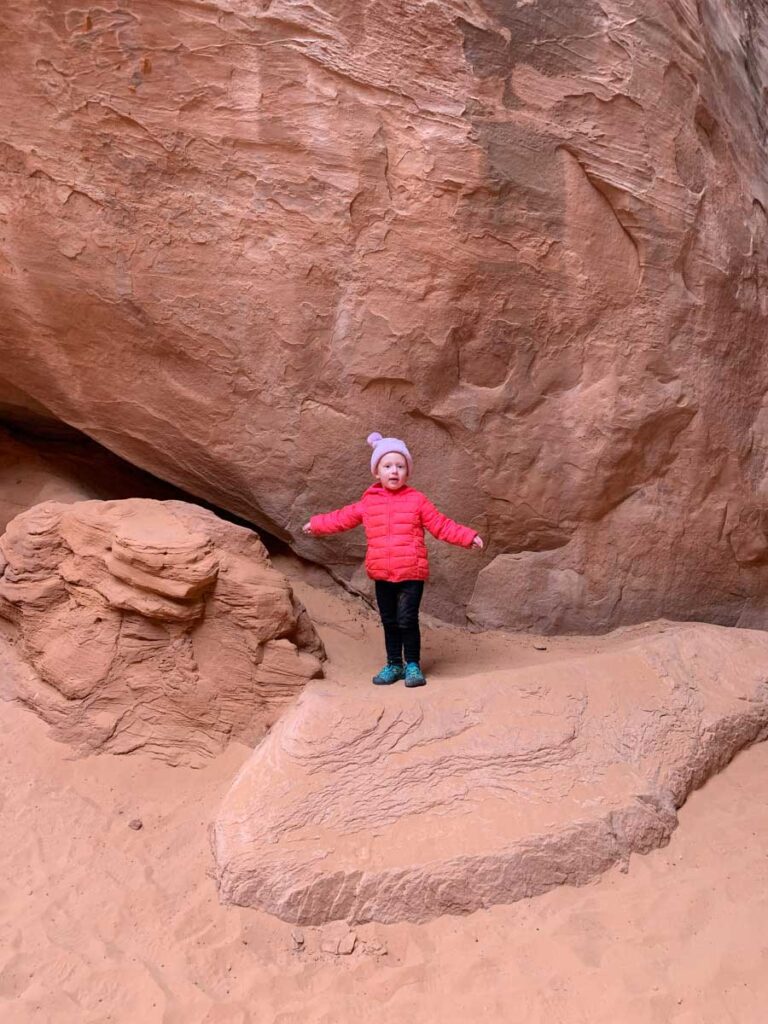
[{"x": 398, "y": 806}]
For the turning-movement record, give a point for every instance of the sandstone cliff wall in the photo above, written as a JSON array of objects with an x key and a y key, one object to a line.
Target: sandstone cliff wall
[{"x": 529, "y": 237}]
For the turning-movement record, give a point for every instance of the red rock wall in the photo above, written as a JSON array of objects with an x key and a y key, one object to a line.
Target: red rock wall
[{"x": 531, "y": 238}]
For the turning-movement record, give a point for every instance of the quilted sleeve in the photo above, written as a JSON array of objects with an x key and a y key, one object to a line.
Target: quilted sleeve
[
  {"x": 443, "y": 528},
  {"x": 340, "y": 519}
]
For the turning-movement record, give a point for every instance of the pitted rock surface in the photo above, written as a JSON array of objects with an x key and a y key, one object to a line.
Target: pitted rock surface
[
  {"x": 529, "y": 237},
  {"x": 151, "y": 625},
  {"x": 406, "y": 806}
]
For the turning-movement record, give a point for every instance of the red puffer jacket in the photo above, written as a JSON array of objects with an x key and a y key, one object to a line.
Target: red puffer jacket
[{"x": 394, "y": 524}]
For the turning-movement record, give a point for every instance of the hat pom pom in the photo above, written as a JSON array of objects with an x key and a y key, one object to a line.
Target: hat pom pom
[{"x": 373, "y": 439}]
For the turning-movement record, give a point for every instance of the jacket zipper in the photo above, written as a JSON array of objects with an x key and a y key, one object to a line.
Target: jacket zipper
[{"x": 389, "y": 535}]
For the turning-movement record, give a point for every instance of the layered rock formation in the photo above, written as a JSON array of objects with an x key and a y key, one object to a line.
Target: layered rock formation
[
  {"x": 529, "y": 237},
  {"x": 406, "y": 807},
  {"x": 152, "y": 625}
]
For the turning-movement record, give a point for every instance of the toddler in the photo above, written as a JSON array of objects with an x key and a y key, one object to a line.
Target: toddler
[{"x": 394, "y": 516}]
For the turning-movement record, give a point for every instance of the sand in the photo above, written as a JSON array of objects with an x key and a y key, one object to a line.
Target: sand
[{"x": 104, "y": 922}]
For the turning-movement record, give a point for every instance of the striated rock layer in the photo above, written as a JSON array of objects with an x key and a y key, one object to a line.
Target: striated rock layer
[
  {"x": 147, "y": 624},
  {"x": 531, "y": 237},
  {"x": 405, "y": 806}
]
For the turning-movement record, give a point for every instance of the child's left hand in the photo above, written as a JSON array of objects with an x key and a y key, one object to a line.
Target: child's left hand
[{"x": 477, "y": 542}]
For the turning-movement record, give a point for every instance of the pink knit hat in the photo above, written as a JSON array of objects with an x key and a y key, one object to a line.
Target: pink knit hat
[{"x": 383, "y": 446}]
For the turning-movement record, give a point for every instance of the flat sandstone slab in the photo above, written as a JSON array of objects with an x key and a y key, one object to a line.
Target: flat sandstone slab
[{"x": 404, "y": 805}]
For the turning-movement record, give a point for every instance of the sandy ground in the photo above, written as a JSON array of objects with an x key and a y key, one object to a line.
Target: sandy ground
[{"x": 103, "y": 922}]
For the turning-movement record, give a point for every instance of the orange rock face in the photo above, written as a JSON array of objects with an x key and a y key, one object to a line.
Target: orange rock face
[
  {"x": 530, "y": 238},
  {"x": 407, "y": 807},
  {"x": 147, "y": 624}
]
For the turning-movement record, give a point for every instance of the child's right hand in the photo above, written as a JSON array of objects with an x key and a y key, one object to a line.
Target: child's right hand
[{"x": 307, "y": 528}]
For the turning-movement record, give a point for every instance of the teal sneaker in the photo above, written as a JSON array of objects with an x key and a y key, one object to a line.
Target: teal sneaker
[
  {"x": 389, "y": 674},
  {"x": 413, "y": 674}
]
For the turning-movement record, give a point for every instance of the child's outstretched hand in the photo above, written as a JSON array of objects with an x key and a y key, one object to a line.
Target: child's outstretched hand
[
  {"x": 307, "y": 528},
  {"x": 477, "y": 542}
]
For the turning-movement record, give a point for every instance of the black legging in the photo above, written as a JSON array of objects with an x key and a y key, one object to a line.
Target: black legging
[{"x": 399, "y": 609}]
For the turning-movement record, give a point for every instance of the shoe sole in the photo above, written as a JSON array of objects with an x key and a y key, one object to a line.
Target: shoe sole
[
  {"x": 410, "y": 685},
  {"x": 384, "y": 682}
]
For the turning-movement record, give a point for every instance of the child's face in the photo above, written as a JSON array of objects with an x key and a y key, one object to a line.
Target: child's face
[{"x": 392, "y": 471}]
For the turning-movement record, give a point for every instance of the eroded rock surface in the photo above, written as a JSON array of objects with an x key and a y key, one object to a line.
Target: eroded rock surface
[
  {"x": 530, "y": 237},
  {"x": 147, "y": 624},
  {"x": 405, "y": 806}
]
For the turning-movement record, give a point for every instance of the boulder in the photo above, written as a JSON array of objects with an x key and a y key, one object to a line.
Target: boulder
[
  {"x": 529, "y": 237},
  {"x": 149, "y": 625},
  {"x": 404, "y": 805}
]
